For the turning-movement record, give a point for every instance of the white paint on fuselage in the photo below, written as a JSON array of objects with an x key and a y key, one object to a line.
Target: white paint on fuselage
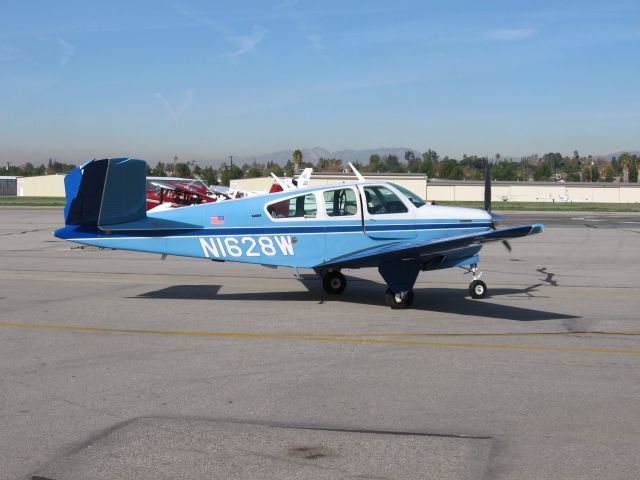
[{"x": 432, "y": 212}]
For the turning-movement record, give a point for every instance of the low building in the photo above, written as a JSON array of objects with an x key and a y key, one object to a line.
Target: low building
[
  {"x": 41, "y": 186},
  {"x": 466, "y": 191},
  {"x": 8, "y": 186}
]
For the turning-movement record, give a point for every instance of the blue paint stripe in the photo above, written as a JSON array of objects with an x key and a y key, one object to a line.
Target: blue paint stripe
[{"x": 70, "y": 232}]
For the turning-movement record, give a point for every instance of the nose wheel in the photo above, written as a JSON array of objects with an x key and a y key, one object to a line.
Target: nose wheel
[
  {"x": 477, "y": 288},
  {"x": 334, "y": 282}
]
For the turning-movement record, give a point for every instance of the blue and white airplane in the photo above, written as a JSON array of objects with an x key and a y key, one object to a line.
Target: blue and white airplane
[{"x": 328, "y": 228}]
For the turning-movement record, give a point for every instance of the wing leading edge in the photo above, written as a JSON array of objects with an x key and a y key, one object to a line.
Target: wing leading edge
[{"x": 412, "y": 249}]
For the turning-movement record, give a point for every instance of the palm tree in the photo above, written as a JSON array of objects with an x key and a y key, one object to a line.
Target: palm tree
[
  {"x": 625, "y": 161},
  {"x": 297, "y": 160}
]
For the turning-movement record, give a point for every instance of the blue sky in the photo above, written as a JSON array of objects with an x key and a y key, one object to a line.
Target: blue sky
[{"x": 203, "y": 80}]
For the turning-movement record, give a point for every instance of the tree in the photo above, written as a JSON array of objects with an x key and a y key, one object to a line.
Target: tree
[
  {"x": 608, "y": 173},
  {"x": 542, "y": 172},
  {"x": 633, "y": 173},
  {"x": 427, "y": 166},
  {"x": 288, "y": 169},
  {"x": 209, "y": 175},
  {"x": 277, "y": 170},
  {"x": 595, "y": 173},
  {"x": 230, "y": 173},
  {"x": 329, "y": 164},
  {"x": 625, "y": 162},
  {"x": 391, "y": 163},
  {"x": 297, "y": 160},
  {"x": 505, "y": 171},
  {"x": 450, "y": 169},
  {"x": 158, "y": 170},
  {"x": 374, "y": 163},
  {"x": 253, "y": 171},
  {"x": 182, "y": 170},
  {"x": 554, "y": 160},
  {"x": 412, "y": 163}
]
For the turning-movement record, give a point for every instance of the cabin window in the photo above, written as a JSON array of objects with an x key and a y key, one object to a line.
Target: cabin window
[
  {"x": 340, "y": 203},
  {"x": 412, "y": 197},
  {"x": 296, "y": 207},
  {"x": 381, "y": 200}
]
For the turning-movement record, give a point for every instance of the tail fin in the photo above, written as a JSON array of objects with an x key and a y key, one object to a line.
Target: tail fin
[{"x": 106, "y": 192}]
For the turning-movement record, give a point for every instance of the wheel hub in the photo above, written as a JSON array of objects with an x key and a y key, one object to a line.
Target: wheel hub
[{"x": 401, "y": 297}]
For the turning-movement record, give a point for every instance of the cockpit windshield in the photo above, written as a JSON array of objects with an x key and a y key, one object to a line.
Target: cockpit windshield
[{"x": 412, "y": 197}]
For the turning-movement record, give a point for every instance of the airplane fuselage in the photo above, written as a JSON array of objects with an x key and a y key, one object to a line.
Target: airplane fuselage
[{"x": 298, "y": 228}]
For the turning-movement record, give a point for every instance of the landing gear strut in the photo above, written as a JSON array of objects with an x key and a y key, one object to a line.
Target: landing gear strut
[
  {"x": 398, "y": 300},
  {"x": 334, "y": 282},
  {"x": 477, "y": 288}
]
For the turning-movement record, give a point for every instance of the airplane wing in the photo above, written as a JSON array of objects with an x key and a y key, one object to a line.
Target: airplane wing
[
  {"x": 413, "y": 249},
  {"x": 165, "y": 185}
]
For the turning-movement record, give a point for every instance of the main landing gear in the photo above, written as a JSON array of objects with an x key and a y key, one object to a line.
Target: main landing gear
[
  {"x": 334, "y": 282},
  {"x": 477, "y": 288},
  {"x": 398, "y": 300}
]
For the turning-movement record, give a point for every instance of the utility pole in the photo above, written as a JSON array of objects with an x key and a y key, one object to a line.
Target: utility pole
[
  {"x": 231, "y": 159},
  {"x": 175, "y": 159}
]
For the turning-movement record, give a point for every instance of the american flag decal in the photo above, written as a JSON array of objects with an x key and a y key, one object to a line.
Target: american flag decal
[{"x": 215, "y": 220}]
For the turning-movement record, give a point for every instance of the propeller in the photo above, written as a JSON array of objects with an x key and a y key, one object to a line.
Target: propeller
[{"x": 495, "y": 219}]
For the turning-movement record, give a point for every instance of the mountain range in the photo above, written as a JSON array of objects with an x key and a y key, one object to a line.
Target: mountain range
[
  {"x": 314, "y": 154},
  {"x": 349, "y": 155}
]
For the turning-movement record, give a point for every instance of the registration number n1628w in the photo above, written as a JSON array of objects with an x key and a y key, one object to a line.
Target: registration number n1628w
[{"x": 223, "y": 247}]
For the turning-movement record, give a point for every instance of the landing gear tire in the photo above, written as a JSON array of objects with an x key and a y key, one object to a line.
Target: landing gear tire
[
  {"x": 478, "y": 289},
  {"x": 334, "y": 283},
  {"x": 398, "y": 300}
]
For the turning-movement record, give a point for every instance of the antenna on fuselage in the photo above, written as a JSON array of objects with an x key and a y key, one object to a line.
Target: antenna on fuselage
[{"x": 358, "y": 174}]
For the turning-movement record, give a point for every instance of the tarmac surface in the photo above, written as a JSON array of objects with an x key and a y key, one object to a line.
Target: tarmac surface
[{"x": 117, "y": 365}]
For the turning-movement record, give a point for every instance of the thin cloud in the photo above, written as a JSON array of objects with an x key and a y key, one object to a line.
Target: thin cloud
[
  {"x": 7, "y": 52},
  {"x": 66, "y": 51},
  {"x": 245, "y": 43},
  {"x": 197, "y": 18},
  {"x": 318, "y": 45},
  {"x": 287, "y": 4},
  {"x": 175, "y": 113},
  {"x": 511, "y": 34}
]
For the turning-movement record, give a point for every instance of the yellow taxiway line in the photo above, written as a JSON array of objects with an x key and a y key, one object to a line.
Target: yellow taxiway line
[{"x": 360, "y": 338}]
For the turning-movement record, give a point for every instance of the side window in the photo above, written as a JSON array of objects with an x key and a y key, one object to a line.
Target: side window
[
  {"x": 381, "y": 200},
  {"x": 339, "y": 203},
  {"x": 296, "y": 207}
]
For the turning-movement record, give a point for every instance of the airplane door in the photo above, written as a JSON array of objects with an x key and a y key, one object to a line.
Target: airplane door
[{"x": 384, "y": 214}]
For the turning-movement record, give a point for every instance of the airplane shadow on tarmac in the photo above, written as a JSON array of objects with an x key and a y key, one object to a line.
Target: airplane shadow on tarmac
[{"x": 444, "y": 300}]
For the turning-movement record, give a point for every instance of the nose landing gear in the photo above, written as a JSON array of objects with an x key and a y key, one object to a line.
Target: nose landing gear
[{"x": 477, "y": 288}]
